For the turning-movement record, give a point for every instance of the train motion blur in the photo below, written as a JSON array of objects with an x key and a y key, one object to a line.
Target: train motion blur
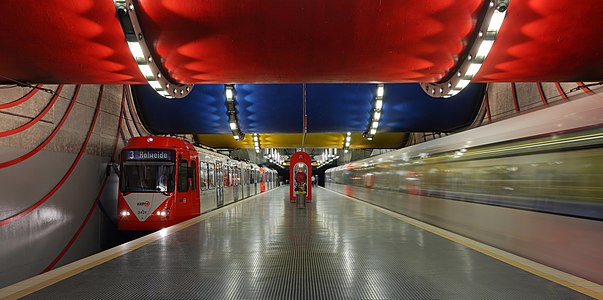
[
  {"x": 554, "y": 166},
  {"x": 166, "y": 180}
]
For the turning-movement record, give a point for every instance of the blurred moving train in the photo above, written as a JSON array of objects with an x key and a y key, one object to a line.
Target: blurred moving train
[
  {"x": 531, "y": 185},
  {"x": 560, "y": 172},
  {"x": 166, "y": 180}
]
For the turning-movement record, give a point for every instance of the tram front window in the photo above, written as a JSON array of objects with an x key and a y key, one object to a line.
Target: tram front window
[{"x": 147, "y": 177}]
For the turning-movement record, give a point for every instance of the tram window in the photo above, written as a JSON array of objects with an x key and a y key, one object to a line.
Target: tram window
[
  {"x": 219, "y": 175},
  {"x": 226, "y": 176},
  {"x": 218, "y": 172},
  {"x": 183, "y": 175},
  {"x": 211, "y": 175},
  {"x": 192, "y": 174},
  {"x": 238, "y": 176},
  {"x": 147, "y": 176},
  {"x": 203, "y": 184}
]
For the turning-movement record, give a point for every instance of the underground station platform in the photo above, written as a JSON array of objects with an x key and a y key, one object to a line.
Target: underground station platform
[{"x": 267, "y": 248}]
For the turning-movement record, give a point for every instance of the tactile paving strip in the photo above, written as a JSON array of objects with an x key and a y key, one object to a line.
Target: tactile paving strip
[{"x": 333, "y": 249}]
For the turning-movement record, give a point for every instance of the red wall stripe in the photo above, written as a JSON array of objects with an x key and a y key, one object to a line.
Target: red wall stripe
[
  {"x": 48, "y": 139},
  {"x": 130, "y": 109},
  {"x": 60, "y": 183},
  {"x": 26, "y": 97},
  {"x": 130, "y": 131},
  {"x": 96, "y": 201},
  {"x": 585, "y": 88},
  {"x": 37, "y": 118},
  {"x": 541, "y": 93},
  {"x": 121, "y": 118},
  {"x": 488, "y": 108},
  {"x": 561, "y": 92},
  {"x": 515, "y": 100}
]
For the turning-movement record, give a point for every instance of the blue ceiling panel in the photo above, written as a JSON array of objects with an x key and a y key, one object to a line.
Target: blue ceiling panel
[
  {"x": 407, "y": 108},
  {"x": 277, "y": 108},
  {"x": 202, "y": 111},
  {"x": 270, "y": 108},
  {"x": 339, "y": 107}
]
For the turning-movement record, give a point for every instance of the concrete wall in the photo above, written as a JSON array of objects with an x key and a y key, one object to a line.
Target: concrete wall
[{"x": 57, "y": 204}]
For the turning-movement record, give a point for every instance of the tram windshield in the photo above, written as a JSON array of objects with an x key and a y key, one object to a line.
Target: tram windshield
[{"x": 147, "y": 176}]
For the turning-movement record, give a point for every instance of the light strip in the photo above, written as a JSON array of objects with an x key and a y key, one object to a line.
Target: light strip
[
  {"x": 231, "y": 110},
  {"x": 375, "y": 115},
  {"x": 126, "y": 13},
  {"x": 347, "y": 142},
  {"x": 326, "y": 162},
  {"x": 256, "y": 142},
  {"x": 467, "y": 68},
  {"x": 273, "y": 156}
]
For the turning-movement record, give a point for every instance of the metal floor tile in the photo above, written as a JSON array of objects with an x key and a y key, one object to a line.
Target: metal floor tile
[{"x": 334, "y": 249}]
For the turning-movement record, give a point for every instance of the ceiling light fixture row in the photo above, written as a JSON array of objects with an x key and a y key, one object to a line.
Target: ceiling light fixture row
[
  {"x": 231, "y": 110},
  {"x": 376, "y": 113},
  {"x": 256, "y": 142},
  {"x": 348, "y": 140},
  {"x": 273, "y": 156},
  {"x": 460, "y": 77},
  {"x": 328, "y": 156},
  {"x": 126, "y": 13}
]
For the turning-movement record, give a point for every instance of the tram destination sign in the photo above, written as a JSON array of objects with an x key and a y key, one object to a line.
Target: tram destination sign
[{"x": 161, "y": 155}]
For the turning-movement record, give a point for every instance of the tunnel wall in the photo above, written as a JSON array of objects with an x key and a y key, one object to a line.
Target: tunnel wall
[
  {"x": 57, "y": 203},
  {"x": 509, "y": 99}
]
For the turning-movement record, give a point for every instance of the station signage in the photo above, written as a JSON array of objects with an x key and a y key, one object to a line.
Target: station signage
[{"x": 157, "y": 155}]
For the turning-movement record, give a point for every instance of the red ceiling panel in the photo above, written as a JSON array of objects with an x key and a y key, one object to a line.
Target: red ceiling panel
[
  {"x": 64, "y": 42},
  {"x": 248, "y": 41},
  {"x": 308, "y": 41},
  {"x": 548, "y": 40}
]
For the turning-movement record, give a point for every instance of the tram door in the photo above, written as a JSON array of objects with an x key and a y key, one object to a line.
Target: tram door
[
  {"x": 236, "y": 180},
  {"x": 219, "y": 184},
  {"x": 249, "y": 182},
  {"x": 256, "y": 180}
]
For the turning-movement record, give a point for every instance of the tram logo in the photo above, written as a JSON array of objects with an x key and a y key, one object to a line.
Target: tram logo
[{"x": 146, "y": 203}]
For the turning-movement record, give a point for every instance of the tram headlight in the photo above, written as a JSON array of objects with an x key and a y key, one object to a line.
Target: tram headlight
[{"x": 125, "y": 213}]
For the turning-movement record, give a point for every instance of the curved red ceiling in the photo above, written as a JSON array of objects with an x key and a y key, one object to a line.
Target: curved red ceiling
[{"x": 250, "y": 41}]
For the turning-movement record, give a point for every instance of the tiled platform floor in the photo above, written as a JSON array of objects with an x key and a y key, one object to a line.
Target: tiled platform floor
[{"x": 334, "y": 249}]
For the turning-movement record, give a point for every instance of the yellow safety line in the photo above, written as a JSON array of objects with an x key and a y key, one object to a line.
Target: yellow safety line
[
  {"x": 578, "y": 284},
  {"x": 36, "y": 283}
]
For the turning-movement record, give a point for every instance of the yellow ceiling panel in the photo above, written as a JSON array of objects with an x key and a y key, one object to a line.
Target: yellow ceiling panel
[
  {"x": 221, "y": 141},
  {"x": 380, "y": 141},
  {"x": 312, "y": 140},
  {"x": 280, "y": 140}
]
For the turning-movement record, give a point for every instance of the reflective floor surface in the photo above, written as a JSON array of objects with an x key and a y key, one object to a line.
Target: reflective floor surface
[{"x": 334, "y": 249}]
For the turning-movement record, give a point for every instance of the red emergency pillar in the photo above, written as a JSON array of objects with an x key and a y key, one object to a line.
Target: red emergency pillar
[{"x": 300, "y": 175}]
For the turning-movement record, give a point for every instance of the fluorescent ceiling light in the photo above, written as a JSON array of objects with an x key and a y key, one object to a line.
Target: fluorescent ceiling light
[{"x": 380, "y": 91}]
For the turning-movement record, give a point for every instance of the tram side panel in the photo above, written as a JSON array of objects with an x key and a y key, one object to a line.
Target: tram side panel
[{"x": 228, "y": 184}]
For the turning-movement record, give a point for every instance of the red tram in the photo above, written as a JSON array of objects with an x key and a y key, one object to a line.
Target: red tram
[{"x": 166, "y": 180}]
